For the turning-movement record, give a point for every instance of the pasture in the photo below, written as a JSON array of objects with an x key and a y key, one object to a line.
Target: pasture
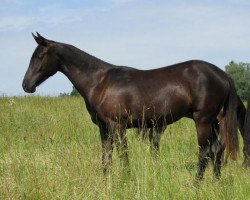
[{"x": 50, "y": 149}]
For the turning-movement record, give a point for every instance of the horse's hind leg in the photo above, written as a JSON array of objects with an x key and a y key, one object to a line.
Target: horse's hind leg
[
  {"x": 216, "y": 150},
  {"x": 204, "y": 132}
]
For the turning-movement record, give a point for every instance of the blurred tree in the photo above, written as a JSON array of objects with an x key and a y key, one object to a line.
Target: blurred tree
[
  {"x": 64, "y": 94},
  {"x": 240, "y": 73},
  {"x": 74, "y": 92}
]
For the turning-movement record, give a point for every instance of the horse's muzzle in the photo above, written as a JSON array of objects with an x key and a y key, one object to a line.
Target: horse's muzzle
[{"x": 28, "y": 88}]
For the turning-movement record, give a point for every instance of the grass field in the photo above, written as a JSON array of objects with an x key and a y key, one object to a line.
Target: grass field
[{"x": 50, "y": 149}]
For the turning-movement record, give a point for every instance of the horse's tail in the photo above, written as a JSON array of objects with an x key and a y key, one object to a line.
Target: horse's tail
[
  {"x": 229, "y": 122},
  {"x": 246, "y": 148},
  {"x": 241, "y": 113}
]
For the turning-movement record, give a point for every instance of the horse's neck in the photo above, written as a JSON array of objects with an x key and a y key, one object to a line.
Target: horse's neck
[{"x": 83, "y": 70}]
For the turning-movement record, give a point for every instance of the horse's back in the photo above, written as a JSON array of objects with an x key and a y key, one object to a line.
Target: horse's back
[{"x": 191, "y": 81}]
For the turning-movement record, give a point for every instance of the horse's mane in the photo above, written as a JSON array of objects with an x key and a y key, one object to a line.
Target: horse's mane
[{"x": 80, "y": 54}]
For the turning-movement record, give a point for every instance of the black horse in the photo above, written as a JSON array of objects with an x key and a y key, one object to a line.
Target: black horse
[{"x": 119, "y": 97}]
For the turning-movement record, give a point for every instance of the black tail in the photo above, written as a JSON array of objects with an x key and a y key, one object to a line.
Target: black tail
[
  {"x": 246, "y": 138},
  {"x": 229, "y": 122},
  {"x": 241, "y": 112}
]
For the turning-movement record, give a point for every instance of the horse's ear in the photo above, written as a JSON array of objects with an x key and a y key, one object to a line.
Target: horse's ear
[{"x": 40, "y": 39}]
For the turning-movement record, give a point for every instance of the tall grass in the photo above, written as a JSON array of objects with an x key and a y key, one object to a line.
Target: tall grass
[{"x": 50, "y": 149}]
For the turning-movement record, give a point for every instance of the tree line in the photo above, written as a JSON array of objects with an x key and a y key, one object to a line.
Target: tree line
[{"x": 239, "y": 72}]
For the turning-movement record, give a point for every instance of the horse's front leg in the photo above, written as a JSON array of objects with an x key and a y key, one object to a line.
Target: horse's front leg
[{"x": 107, "y": 139}]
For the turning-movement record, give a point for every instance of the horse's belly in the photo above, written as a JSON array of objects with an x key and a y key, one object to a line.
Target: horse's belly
[
  {"x": 157, "y": 107},
  {"x": 146, "y": 115}
]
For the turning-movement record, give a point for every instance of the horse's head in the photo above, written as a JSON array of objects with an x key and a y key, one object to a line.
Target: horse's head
[{"x": 43, "y": 64}]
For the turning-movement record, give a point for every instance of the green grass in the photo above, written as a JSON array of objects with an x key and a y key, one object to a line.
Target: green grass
[{"x": 50, "y": 149}]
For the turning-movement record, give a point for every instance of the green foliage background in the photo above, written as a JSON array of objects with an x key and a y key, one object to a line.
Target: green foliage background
[{"x": 240, "y": 73}]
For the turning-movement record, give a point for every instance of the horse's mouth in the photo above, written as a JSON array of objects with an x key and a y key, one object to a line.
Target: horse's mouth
[{"x": 32, "y": 90}]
